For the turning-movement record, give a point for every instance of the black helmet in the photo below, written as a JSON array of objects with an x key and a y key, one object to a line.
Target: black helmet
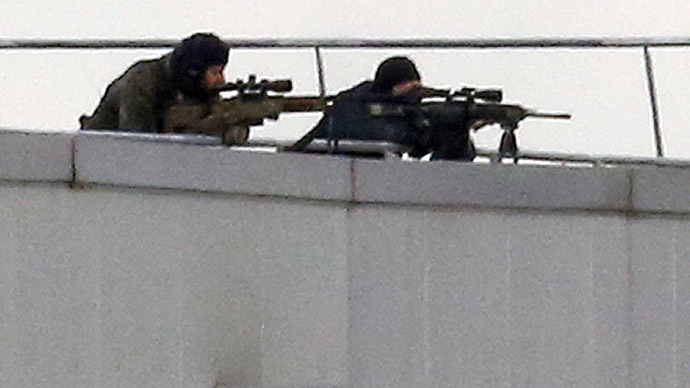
[
  {"x": 192, "y": 57},
  {"x": 393, "y": 71}
]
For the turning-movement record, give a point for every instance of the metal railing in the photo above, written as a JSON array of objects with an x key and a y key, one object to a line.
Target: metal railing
[
  {"x": 318, "y": 44},
  {"x": 9, "y": 44}
]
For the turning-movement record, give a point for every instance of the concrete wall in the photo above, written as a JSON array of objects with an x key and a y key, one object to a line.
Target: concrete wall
[{"x": 129, "y": 263}]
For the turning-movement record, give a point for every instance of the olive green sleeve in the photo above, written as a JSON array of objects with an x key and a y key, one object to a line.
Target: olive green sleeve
[
  {"x": 209, "y": 120},
  {"x": 193, "y": 118},
  {"x": 230, "y": 119}
]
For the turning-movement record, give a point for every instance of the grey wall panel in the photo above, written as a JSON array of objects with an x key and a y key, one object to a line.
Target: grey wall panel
[
  {"x": 653, "y": 311},
  {"x": 9, "y": 225},
  {"x": 661, "y": 189},
  {"x": 452, "y": 183},
  {"x": 682, "y": 303},
  {"x": 303, "y": 281},
  {"x": 132, "y": 289},
  {"x": 611, "y": 309},
  {"x": 487, "y": 299},
  {"x": 221, "y": 307},
  {"x": 53, "y": 327},
  {"x": 468, "y": 296},
  {"x": 121, "y": 161},
  {"x": 387, "y": 275},
  {"x": 550, "y": 301},
  {"x": 139, "y": 272},
  {"x": 661, "y": 291},
  {"x": 35, "y": 156},
  {"x": 247, "y": 311}
]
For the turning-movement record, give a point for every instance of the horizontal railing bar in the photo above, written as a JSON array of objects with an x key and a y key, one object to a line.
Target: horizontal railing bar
[{"x": 9, "y": 44}]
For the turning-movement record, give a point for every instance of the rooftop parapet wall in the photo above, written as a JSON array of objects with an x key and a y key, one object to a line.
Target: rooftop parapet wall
[
  {"x": 161, "y": 162},
  {"x": 140, "y": 261}
]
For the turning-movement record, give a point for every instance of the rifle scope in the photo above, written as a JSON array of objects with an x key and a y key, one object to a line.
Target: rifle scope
[
  {"x": 489, "y": 95},
  {"x": 251, "y": 86}
]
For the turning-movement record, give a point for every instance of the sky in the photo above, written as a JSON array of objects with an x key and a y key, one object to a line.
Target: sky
[{"x": 604, "y": 89}]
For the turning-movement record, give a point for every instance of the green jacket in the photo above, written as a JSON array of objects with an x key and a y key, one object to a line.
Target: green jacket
[{"x": 137, "y": 100}]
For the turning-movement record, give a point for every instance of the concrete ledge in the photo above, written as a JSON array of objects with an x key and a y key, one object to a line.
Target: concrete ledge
[
  {"x": 199, "y": 163},
  {"x": 35, "y": 156},
  {"x": 661, "y": 189},
  {"x": 122, "y": 161},
  {"x": 449, "y": 183}
]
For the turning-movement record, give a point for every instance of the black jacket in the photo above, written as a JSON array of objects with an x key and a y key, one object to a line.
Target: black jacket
[{"x": 350, "y": 118}]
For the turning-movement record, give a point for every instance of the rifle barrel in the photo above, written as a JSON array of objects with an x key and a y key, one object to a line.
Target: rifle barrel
[
  {"x": 304, "y": 103},
  {"x": 550, "y": 115}
]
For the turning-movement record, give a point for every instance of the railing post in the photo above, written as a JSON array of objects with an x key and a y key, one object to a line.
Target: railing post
[
  {"x": 319, "y": 69},
  {"x": 652, "y": 100}
]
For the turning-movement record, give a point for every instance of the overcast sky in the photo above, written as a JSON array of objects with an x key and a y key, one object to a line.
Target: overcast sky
[{"x": 605, "y": 90}]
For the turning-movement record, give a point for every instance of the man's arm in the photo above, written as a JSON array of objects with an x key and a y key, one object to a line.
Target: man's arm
[{"x": 204, "y": 119}]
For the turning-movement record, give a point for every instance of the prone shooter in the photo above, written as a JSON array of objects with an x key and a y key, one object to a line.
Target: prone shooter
[{"x": 395, "y": 107}]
